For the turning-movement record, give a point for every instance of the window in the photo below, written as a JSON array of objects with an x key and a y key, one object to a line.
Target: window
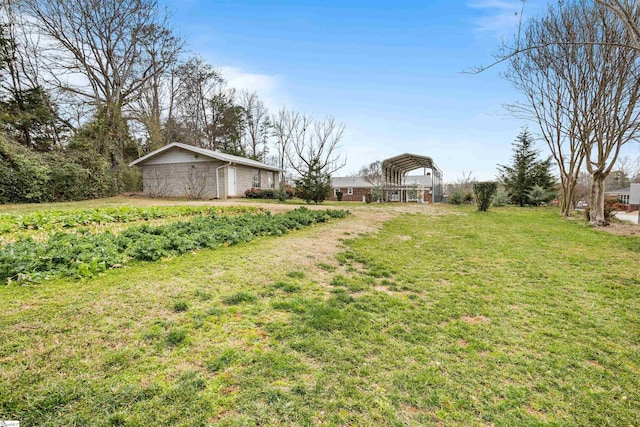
[
  {"x": 624, "y": 198},
  {"x": 350, "y": 191},
  {"x": 256, "y": 178},
  {"x": 335, "y": 192}
]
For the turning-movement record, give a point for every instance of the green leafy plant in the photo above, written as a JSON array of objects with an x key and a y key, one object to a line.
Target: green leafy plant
[
  {"x": 52, "y": 219},
  {"x": 84, "y": 255}
]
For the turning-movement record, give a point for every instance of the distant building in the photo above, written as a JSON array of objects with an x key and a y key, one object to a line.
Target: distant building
[
  {"x": 395, "y": 185},
  {"x": 630, "y": 197},
  {"x": 414, "y": 188}
]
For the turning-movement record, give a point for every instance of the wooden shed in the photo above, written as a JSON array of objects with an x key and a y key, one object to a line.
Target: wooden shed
[{"x": 181, "y": 170}]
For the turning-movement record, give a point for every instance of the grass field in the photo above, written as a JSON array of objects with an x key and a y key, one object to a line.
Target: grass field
[{"x": 397, "y": 315}]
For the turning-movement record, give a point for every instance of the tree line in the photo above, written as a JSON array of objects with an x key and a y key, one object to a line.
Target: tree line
[
  {"x": 86, "y": 87},
  {"x": 577, "y": 70}
]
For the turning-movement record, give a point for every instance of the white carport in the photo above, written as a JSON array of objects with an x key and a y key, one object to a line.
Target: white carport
[{"x": 395, "y": 169}]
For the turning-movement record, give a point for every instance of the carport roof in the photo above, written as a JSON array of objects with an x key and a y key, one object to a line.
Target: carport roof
[{"x": 408, "y": 162}]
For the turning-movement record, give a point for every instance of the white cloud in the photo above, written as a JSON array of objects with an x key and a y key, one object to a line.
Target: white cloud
[
  {"x": 267, "y": 87},
  {"x": 502, "y": 16}
]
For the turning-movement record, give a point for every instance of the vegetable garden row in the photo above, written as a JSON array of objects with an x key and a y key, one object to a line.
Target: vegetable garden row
[
  {"x": 85, "y": 254},
  {"x": 49, "y": 220}
]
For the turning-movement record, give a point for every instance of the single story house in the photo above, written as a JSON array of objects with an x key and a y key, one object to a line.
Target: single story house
[
  {"x": 414, "y": 188},
  {"x": 353, "y": 188},
  {"x": 181, "y": 170},
  {"x": 628, "y": 196}
]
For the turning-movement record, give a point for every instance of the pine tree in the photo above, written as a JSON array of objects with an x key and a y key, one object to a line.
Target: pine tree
[
  {"x": 526, "y": 171},
  {"x": 314, "y": 186}
]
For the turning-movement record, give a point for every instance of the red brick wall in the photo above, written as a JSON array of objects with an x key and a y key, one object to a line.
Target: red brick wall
[{"x": 358, "y": 194}]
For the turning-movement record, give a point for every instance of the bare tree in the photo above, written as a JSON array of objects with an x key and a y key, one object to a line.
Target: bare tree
[
  {"x": 156, "y": 95},
  {"x": 197, "y": 82},
  {"x": 629, "y": 168},
  {"x": 100, "y": 51},
  {"x": 257, "y": 125},
  {"x": 317, "y": 151},
  {"x": 372, "y": 173},
  {"x": 581, "y": 81},
  {"x": 288, "y": 126},
  {"x": 550, "y": 78},
  {"x": 610, "y": 117},
  {"x": 465, "y": 182},
  {"x": 627, "y": 12},
  {"x": 315, "y": 156}
]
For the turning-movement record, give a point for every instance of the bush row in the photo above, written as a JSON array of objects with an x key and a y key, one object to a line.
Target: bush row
[
  {"x": 87, "y": 254},
  {"x": 288, "y": 192},
  {"x": 57, "y": 219},
  {"x": 27, "y": 176}
]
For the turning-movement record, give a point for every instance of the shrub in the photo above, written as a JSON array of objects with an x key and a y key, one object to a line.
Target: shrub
[
  {"x": 500, "y": 198},
  {"x": 456, "y": 197},
  {"x": 540, "y": 195},
  {"x": 257, "y": 193},
  {"x": 468, "y": 197},
  {"x": 339, "y": 195},
  {"x": 27, "y": 176},
  {"x": 484, "y": 192},
  {"x": 611, "y": 205}
]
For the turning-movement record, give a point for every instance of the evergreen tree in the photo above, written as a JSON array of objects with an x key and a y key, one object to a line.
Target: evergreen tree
[
  {"x": 526, "y": 171},
  {"x": 315, "y": 186}
]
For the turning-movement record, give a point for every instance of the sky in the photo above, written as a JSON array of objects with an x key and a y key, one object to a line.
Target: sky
[{"x": 397, "y": 74}]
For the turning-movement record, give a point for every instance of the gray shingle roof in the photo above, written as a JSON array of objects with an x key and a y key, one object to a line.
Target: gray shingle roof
[{"x": 217, "y": 155}]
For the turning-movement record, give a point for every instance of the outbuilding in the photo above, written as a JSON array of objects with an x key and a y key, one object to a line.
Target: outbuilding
[{"x": 181, "y": 170}]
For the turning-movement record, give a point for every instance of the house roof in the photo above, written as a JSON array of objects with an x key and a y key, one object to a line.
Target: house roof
[
  {"x": 217, "y": 155},
  {"x": 621, "y": 191},
  {"x": 350, "y": 182}
]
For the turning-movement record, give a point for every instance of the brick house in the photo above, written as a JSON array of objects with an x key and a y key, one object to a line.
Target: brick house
[{"x": 414, "y": 188}]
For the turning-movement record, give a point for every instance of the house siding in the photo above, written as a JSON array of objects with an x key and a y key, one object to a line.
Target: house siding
[
  {"x": 176, "y": 155},
  {"x": 185, "y": 171},
  {"x": 193, "y": 179},
  {"x": 634, "y": 194},
  {"x": 244, "y": 179}
]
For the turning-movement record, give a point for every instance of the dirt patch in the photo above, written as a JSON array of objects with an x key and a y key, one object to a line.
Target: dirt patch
[
  {"x": 309, "y": 251},
  {"x": 622, "y": 229},
  {"x": 474, "y": 320}
]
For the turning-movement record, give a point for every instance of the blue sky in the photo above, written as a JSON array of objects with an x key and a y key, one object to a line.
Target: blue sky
[{"x": 391, "y": 71}]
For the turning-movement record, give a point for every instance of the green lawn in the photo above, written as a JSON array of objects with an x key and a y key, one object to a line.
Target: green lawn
[{"x": 445, "y": 316}]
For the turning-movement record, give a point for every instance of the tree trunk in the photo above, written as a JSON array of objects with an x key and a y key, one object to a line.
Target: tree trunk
[
  {"x": 568, "y": 191},
  {"x": 596, "y": 209}
]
